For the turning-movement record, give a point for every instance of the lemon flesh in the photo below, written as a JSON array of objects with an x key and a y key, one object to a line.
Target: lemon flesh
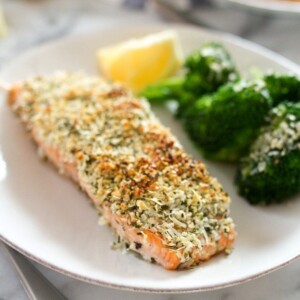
[{"x": 139, "y": 62}]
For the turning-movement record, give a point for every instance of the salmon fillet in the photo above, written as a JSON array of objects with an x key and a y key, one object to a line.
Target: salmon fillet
[{"x": 159, "y": 200}]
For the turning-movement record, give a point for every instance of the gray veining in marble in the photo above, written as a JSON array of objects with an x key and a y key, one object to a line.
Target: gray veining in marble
[{"x": 33, "y": 22}]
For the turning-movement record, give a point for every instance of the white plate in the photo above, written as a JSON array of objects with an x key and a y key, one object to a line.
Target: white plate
[
  {"x": 47, "y": 218},
  {"x": 279, "y": 7}
]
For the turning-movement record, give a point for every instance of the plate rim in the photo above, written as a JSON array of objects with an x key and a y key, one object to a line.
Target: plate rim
[
  {"x": 101, "y": 283},
  {"x": 293, "y": 67},
  {"x": 241, "y": 42}
]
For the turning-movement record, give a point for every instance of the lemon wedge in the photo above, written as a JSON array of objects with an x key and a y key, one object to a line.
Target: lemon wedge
[{"x": 139, "y": 62}]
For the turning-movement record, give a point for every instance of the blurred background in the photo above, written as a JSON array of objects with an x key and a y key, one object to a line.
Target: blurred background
[
  {"x": 274, "y": 24},
  {"x": 26, "y": 23}
]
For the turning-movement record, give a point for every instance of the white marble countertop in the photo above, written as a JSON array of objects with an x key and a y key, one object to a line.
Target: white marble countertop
[{"x": 33, "y": 22}]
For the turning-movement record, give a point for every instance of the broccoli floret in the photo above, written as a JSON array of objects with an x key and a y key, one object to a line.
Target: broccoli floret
[
  {"x": 283, "y": 87},
  {"x": 168, "y": 89},
  {"x": 208, "y": 68},
  {"x": 271, "y": 172},
  {"x": 225, "y": 123}
]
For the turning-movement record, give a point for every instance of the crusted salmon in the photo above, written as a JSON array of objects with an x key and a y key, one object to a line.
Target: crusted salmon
[{"x": 159, "y": 200}]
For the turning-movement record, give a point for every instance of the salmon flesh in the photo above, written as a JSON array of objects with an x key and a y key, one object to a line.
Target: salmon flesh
[{"x": 159, "y": 200}]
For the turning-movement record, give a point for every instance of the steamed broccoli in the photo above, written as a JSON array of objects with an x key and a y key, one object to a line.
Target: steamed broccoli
[
  {"x": 168, "y": 89},
  {"x": 225, "y": 123},
  {"x": 206, "y": 70},
  {"x": 283, "y": 87},
  {"x": 272, "y": 170}
]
